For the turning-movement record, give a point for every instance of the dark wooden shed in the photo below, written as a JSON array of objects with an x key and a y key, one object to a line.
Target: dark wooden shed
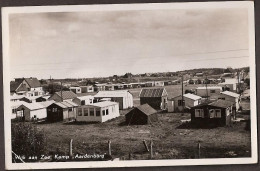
[
  {"x": 141, "y": 115},
  {"x": 217, "y": 113},
  {"x": 155, "y": 97}
]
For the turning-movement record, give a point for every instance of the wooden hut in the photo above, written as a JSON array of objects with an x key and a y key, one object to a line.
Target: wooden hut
[
  {"x": 156, "y": 98},
  {"x": 141, "y": 115},
  {"x": 60, "y": 111},
  {"x": 212, "y": 113}
]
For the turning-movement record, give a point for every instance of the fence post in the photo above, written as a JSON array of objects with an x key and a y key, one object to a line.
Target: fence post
[
  {"x": 145, "y": 145},
  {"x": 129, "y": 155},
  {"x": 71, "y": 148},
  {"x": 199, "y": 149},
  {"x": 109, "y": 147},
  {"x": 151, "y": 150}
]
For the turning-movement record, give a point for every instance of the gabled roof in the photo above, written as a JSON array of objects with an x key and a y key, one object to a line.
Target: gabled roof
[
  {"x": 33, "y": 82},
  {"x": 32, "y": 106},
  {"x": 66, "y": 104},
  {"x": 46, "y": 103},
  {"x": 229, "y": 93},
  {"x": 146, "y": 109},
  {"x": 15, "y": 85},
  {"x": 66, "y": 95},
  {"x": 221, "y": 103},
  {"x": 153, "y": 92},
  {"x": 117, "y": 93}
]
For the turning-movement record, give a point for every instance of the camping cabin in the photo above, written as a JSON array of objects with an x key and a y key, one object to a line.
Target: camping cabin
[
  {"x": 189, "y": 100},
  {"x": 216, "y": 113},
  {"x": 231, "y": 96},
  {"x": 99, "y": 87},
  {"x": 87, "y": 89},
  {"x": 98, "y": 112},
  {"x": 208, "y": 91},
  {"x": 33, "y": 111},
  {"x": 159, "y": 83},
  {"x": 75, "y": 90},
  {"x": 141, "y": 115},
  {"x": 83, "y": 100},
  {"x": 60, "y": 111},
  {"x": 155, "y": 97},
  {"x": 123, "y": 97},
  {"x": 63, "y": 95}
]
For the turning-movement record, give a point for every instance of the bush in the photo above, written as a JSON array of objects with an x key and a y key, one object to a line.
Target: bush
[{"x": 27, "y": 141}]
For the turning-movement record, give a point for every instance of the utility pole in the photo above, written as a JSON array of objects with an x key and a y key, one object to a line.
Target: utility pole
[
  {"x": 207, "y": 86},
  {"x": 182, "y": 100},
  {"x": 238, "y": 82},
  {"x": 61, "y": 91}
]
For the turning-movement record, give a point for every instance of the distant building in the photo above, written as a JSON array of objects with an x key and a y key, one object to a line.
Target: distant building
[
  {"x": 231, "y": 96},
  {"x": 123, "y": 97},
  {"x": 109, "y": 87},
  {"x": 212, "y": 113},
  {"x": 189, "y": 100},
  {"x": 141, "y": 115},
  {"x": 98, "y": 112},
  {"x": 155, "y": 97},
  {"x": 75, "y": 90},
  {"x": 26, "y": 86},
  {"x": 87, "y": 89},
  {"x": 61, "y": 111},
  {"x": 83, "y": 100},
  {"x": 99, "y": 87},
  {"x": 208, "y": 91},
  {"x": 63, "y": 95},
  {"x": 159, "y": 83}
]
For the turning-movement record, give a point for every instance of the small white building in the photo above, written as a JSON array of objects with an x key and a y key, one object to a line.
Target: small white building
[
  {"x": 159, "y": 83},
  {"x": 83, "y": 100},
  {"x": 208, "y": 91},
  {"x": 87, "y": 89},
  {"x": 75, "y": 90},
  {"x": 123, "y": 97},
  {"x": 232, "y": 97},
  {"x": 189, "y": 100},
  {"x": 98, "y": 112},
  {"x": 33, "y": 111}
]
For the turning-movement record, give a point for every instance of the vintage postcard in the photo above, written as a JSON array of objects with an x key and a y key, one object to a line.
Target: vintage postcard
[{"x": 129, "y": 85}]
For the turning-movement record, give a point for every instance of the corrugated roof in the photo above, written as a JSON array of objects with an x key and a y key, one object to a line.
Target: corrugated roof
[
  {"x": 229, "y": 93},
  {"x": 192, "y": 96},
  {"x": 117, "y": 93},
  {"x": 46, "y": 103},
  {"x": 146, "y": 109},
  {"x": 66, "y": 104},
  {"x": 15, "y": 96},
  {"x": 33, "y": 82},
  {"x": 155, "y": 92},
  {"x": 221, "y": 103},
  {"x": 66, "y": 94},
  {"x": 209, "y": 88}
]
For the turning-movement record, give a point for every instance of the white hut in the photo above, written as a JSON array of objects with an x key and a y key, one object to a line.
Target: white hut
[
  {"x": 83, "y": 100},
  {"x": 98, "y": 112},
  {"x": 123, "y": 97}
]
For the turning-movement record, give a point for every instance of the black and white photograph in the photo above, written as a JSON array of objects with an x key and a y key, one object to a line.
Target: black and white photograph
[{"x": 129, "y": 85}]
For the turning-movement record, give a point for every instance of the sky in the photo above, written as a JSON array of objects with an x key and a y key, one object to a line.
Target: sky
[{"x": 105, "y": 43}]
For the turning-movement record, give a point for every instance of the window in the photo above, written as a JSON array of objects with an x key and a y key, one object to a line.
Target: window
[
  {"x": 107, "y": 112},
  {"x": 222, "y": 98},
  {"x": 212, "y": 91},
  {"x": 199, "y": 113},
  {"x": 70, "y": 109},
  {"x": 80, "y": 112},
  {"x": 85, "y": 111},
  {"x": 91, "y": 112},
  {"x": 103, "y": 112},
  {"x": 211, "y": 113},
  {"x": 83, "y": 102},
  {"x": 180, "y": 102},
  {"x": 13, "y": 110},
  {"x": 218, "y": 113},
  {"x": 54, "y": 109},
  {"x": 98, "y": 112}
]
